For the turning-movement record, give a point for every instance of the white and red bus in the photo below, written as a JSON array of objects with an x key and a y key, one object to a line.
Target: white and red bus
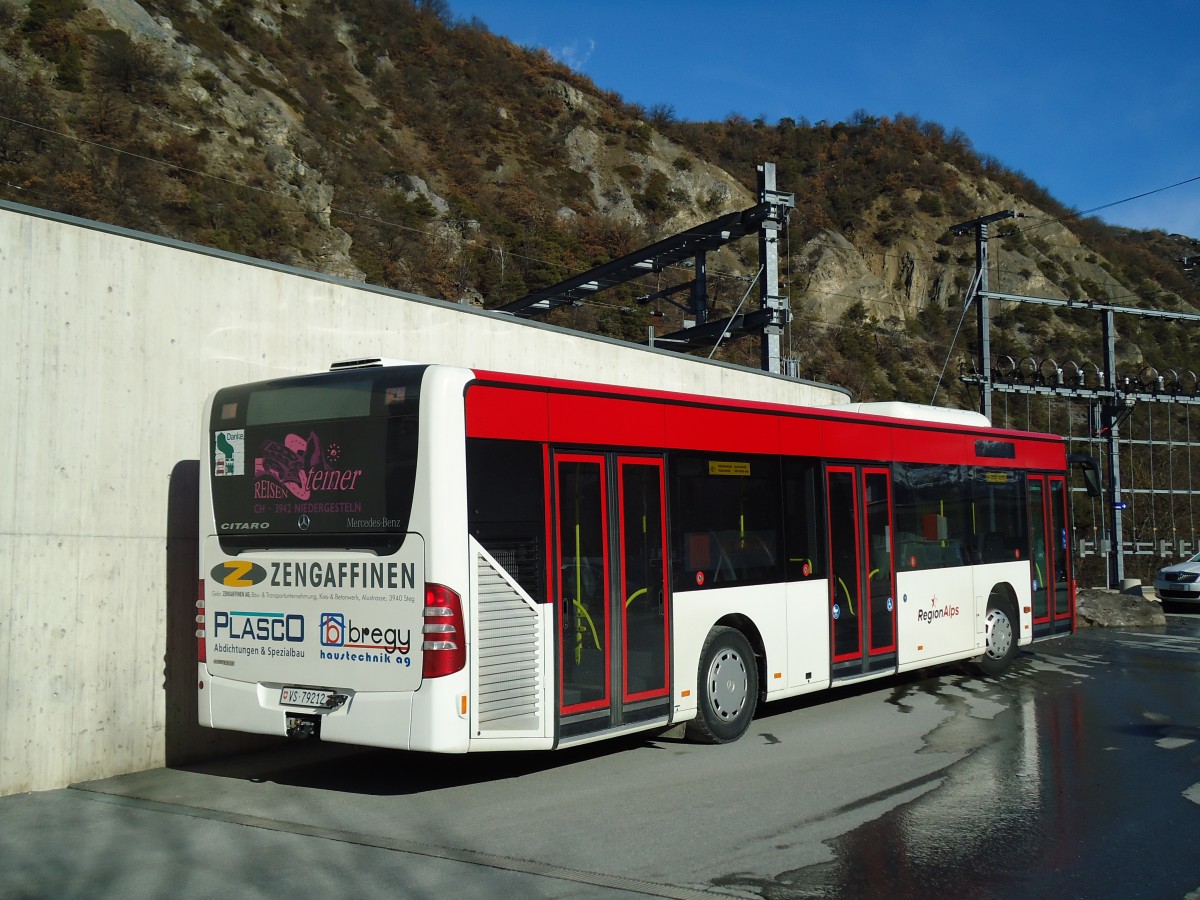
[{"x": 432, "y": 558}]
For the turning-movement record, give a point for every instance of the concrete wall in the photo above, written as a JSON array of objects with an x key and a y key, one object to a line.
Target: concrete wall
[{"x": 112, "y": 341}]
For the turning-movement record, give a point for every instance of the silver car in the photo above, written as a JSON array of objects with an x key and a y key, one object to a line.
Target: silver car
[{"x": 1179, "y": 583}]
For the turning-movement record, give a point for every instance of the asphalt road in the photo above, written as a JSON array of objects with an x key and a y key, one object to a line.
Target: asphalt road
[{"x": 1075, "y": 774}]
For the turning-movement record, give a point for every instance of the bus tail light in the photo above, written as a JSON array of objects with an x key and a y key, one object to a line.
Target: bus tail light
[
  {"x": 201, "y": 647},
  {"x": 444, "y": 634}
]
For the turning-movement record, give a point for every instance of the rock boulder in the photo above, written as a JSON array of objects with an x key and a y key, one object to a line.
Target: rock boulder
[{"x": 1108, "y": 609}]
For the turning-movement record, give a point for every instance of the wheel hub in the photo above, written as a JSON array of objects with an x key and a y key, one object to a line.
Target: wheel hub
[
  {"x": 999, "y": 634},
  {"x": 728, "y": 685}
]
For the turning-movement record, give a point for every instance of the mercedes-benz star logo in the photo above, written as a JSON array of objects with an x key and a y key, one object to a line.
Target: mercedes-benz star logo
[{"x": 304, "y": 522}]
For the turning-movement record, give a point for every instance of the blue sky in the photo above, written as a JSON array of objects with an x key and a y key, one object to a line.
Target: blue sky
[{"x": 1095, "y": 101}]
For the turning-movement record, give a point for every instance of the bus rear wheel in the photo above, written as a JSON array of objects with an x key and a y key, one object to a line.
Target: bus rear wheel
[
  {"x": 728, "y": 681},
  {"x": 1000, "y": 637}
]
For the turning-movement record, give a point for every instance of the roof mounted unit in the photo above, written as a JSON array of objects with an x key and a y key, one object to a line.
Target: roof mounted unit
[{"x": 372, "y": 362}]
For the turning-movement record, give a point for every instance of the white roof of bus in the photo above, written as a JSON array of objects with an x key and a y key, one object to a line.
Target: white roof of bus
[{"x": 896, "y": 409}]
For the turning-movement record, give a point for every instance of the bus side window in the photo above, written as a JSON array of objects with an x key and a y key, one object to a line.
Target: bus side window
[
  {"x": 506, "y": 507},
  {"x": 804, "y": 519},
  {"x": 725, "y": 519},
  {"x": 933, "y": 517},
  {"x": 998, "y": 513}
]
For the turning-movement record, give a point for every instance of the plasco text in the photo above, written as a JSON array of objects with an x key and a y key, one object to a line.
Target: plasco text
[{"x": 258, "y": 626}]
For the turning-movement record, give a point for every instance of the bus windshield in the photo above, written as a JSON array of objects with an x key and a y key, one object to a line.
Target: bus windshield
[{"x": 316, "y": 461}]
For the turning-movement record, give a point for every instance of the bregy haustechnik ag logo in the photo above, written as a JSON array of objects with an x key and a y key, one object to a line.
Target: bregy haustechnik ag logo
[{"x": 336, "y": 630}]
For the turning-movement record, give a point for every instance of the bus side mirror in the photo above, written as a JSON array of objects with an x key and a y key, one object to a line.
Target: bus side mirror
[{"x": 1091, "y": 472}]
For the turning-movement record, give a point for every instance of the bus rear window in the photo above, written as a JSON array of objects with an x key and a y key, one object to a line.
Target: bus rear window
[
  {"x": 310, "y": 403},
  {"x": 319, "y": 461}
]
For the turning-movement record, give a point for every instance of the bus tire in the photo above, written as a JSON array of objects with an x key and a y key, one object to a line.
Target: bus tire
[
  {"x": 1000, "y": 636},
  {"x": 728, "y": 688}
]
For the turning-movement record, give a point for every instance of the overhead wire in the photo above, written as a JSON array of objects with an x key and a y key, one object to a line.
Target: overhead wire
[
  {"x": 883, "y": 255},
  {"x": 1079, "y": 214},
  {"x": 954, "y": 340},
  {"x": 378, "y": 220},
  {"x": 261, "y": 190},
  {"x": 1000, "y": 270},
  {"x": 713, "y": 273}
]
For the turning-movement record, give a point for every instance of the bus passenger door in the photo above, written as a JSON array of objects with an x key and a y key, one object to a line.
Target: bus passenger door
[
  {"x": 611, "y": 592},
  {"x": 585, "y": 626},
  {"x": 862, "y": 576},
  {"x": 1050, "y": 561},
  {"x": 643, "y": 599},
  {"x": 1063, "y": 613}
]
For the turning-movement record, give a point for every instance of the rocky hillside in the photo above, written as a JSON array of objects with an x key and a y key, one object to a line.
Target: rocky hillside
[{"x": 382, "y": 140}]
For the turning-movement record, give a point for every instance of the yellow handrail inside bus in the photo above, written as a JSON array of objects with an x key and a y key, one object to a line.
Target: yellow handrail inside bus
[
  {"x": 581, "y": 630},
  {"x": 846, "y": 591},
  {"x": 579, "y": 607},
  {"x": 804, "y": 560},
  {"x": 634, "y": 596}
]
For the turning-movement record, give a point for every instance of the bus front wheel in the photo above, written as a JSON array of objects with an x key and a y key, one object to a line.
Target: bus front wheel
[
  {"x": 1000, "y": 637},
  {"x": 728, "y": 682}
]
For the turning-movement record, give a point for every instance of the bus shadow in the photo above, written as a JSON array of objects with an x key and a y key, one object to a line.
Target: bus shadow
[
  {"x": 348, "y": 769},
  {"x": 185, "y": 741},
  {"x": 889, "y": 685}
]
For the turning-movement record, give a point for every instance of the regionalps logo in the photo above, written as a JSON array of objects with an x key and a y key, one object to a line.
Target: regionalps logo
[{"x": 937, "y": 613}]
